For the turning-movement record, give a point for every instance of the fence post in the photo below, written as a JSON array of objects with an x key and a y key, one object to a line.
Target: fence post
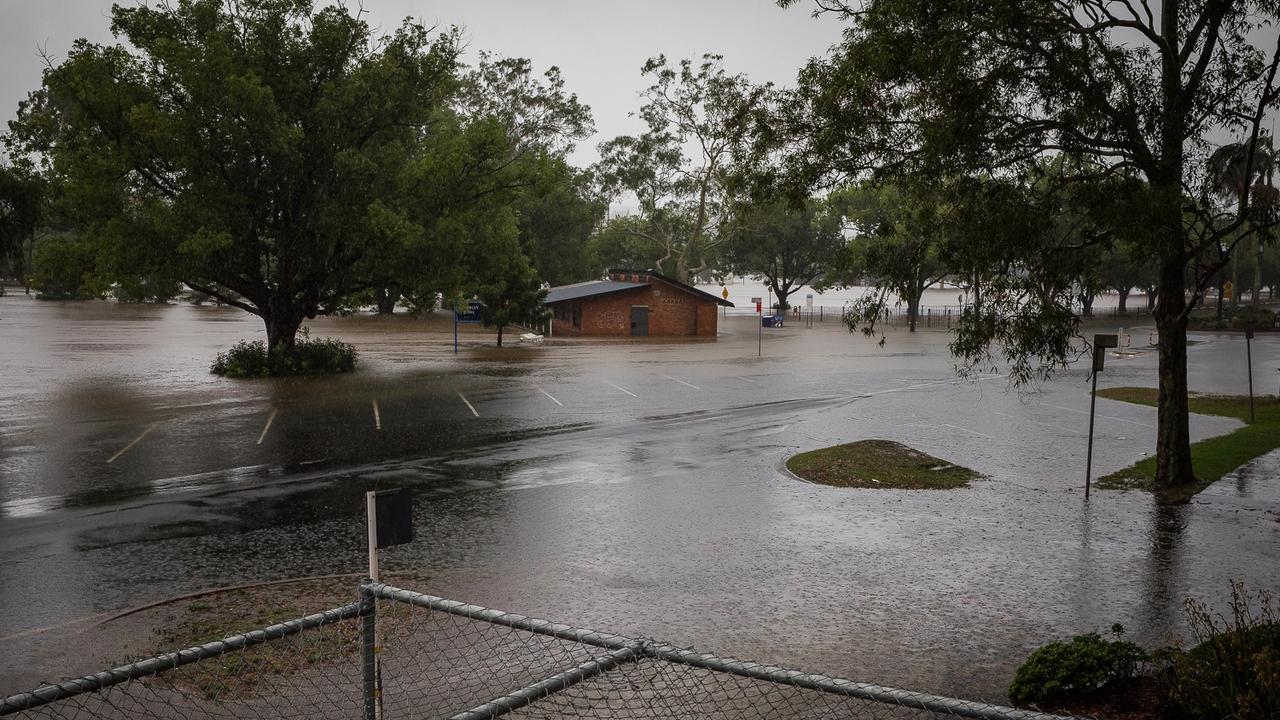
[{"x": 371, "y": 687}]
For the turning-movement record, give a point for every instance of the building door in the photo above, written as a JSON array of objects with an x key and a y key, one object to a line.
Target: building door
[{"x": 639, "y": 320}]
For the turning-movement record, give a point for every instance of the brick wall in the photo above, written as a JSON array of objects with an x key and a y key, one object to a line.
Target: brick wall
[{"x": 671, "y": 312}]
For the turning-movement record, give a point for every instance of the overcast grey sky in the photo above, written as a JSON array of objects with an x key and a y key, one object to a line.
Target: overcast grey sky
[{"x": 598, "y": 44}]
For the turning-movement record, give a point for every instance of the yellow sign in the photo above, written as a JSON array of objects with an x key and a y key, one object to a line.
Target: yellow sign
[
  {"x": 724, "y": 293},
  {"x": 1227, "y": 287}
]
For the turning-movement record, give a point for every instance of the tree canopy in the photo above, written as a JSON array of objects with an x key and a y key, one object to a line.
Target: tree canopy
[{"x": 1128, "y": 94}]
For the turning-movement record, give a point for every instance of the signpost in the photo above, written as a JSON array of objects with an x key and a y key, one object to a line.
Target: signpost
[
  {"x": 1100, "y": 344},
  {"x": 724, "y": 293},
  {"x": 390, "y": 522},
  {"x": 759, "y": 325},
  {"x": 1248, "y": 353}
]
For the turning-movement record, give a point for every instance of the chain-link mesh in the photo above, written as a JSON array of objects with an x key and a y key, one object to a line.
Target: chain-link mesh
[{"x": 437, "y": 658}]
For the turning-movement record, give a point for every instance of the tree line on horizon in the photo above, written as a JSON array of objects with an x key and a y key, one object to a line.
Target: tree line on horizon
[{"x": 285, "y": 160}]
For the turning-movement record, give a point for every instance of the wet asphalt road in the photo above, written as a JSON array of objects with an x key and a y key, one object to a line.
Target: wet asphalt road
[{"x": 630, "y": 486}]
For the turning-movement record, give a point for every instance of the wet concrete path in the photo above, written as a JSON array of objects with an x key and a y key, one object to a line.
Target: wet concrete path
[{"x": 632, "y": 486}]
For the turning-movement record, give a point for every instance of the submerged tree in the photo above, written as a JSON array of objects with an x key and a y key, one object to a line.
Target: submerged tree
[
  {"x": 21, "y": 204},
  {"x": 899, "y": 243},
  {"x": 925, "y": 89},
  {"x": 786, "y": 247}
]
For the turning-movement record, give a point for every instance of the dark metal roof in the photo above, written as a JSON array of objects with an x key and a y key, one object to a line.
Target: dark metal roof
[
  {"x": 672, "y": 281},
  {"x": 589, "y": 289}
]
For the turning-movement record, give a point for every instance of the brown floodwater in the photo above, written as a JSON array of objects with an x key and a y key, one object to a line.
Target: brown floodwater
[{"x": 634, "y": 486}]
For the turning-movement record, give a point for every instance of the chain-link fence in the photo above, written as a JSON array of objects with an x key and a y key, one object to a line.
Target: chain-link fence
[{"x": 401, "y": 654}]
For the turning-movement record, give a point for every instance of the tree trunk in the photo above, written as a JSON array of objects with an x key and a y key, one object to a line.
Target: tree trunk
[
  {"x": 1086, "y": 303},
  {"x": 1256, "y": 300},
  {"x": 282, "y": 330},
  {"x": 1221, "y": 280},
  {"x": 1173, "y": 434},
  {"x": 1235, "y": 281},
  {"x": 386, "y": 298},
  {"x": 913, "y": 310},
  {"x": 1124, "y": 300},
  {"x": 782, "y": 299},
  {"x": 1151, "y": 298},
  {"x": 499, "y": 336}
]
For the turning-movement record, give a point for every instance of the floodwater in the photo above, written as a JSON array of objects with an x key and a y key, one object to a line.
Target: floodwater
[{"x": 633, "y": 486}]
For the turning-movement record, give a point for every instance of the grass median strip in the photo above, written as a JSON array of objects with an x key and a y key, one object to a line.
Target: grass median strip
[
  {"x": 1214, "y": 457},
  {"x": 879, "y": 464}
]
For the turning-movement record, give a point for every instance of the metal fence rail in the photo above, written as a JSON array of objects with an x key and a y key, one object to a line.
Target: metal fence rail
[{"x": 399, "y": 654}]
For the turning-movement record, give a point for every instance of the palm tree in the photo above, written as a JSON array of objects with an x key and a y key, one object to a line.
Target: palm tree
[{"x": 1234, "y": 175}]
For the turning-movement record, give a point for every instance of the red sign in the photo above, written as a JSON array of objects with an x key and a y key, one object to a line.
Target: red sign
[{"x": 758, "y": 308}]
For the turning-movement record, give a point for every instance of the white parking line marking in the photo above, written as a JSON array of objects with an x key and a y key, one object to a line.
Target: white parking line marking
[
  {"x": 377, "y": 416},
  {"x": 965, "y": 429},
  {"x": 695, "y": 387},
  {"x": 615, "y": 387},
  {"x": 470, "y": 406},
  {"x": 745, "y": 379},
  {"x": 267, "y": 427},
  {"x": 136, "y": 440},
  {"x": 553, "y": 397}
]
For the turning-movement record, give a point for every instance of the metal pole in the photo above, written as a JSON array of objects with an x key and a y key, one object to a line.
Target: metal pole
[
  {"x": 455, "y": 330},
  {"x": 1093, "y": 399},
  {"x": 368, "y": 652},
  {"x": 369, "y": 635},
  {"x": 759, "y": 332},
  {"x": 1248, "y": 350}
]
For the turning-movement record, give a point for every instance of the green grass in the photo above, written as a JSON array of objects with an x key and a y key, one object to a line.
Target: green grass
[
  {"x": 1212, "y": 458},
  {"x": 879, "y": 464}
]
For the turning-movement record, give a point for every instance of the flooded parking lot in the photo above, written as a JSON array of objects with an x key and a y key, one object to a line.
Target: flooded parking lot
[{"x": 635, "y": 486}]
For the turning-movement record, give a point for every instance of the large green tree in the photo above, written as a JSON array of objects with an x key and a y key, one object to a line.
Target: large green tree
[
  {"x": 961, "y": 87},
  {"x": 899, "y": 243},
  {"x": 21, "y": 204},
  {"x": 247, "y": 148}
]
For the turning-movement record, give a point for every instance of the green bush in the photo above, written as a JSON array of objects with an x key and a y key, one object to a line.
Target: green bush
[
  {"x": 248, "y": 359},
  {"x": 1066, "y": 670},
  {"x": 1234, "y": 669},
  {"x": 1259, "y": 317}
]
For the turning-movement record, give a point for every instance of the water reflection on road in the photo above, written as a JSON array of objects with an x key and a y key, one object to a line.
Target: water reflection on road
[{"x": 658, "y": 510}]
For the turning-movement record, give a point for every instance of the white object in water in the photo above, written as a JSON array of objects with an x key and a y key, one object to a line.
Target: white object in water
[{"x": 530, "y": 337}]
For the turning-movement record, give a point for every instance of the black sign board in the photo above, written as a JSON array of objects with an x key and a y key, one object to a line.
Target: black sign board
[
  {"x": 394, "y": 510},
  {"x": 1106, "y": 341},
  {"x": 1248, "y": 332}
]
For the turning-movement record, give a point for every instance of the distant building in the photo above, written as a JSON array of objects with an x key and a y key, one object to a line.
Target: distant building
[{"x": 633, "y": 302}]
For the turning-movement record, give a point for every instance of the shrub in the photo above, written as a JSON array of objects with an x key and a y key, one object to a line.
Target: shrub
[
  {"x": 1258, "y": 317},
  {"x": 1234, "y": 669},
  {"x": 248, "y": 359},
  {"x": 1067, "y": 670}
]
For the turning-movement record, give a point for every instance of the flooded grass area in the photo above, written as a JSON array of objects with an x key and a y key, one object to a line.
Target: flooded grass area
[
  {"x": 879, "y": 464},
  {"x": 1213, "y": 458}
]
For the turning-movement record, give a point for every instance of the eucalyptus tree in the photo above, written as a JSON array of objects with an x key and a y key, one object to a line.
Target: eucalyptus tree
[
  {"x": 785, "y": 246},
  {"x": 1126, "y": 90},
  {"x": 898, "y": 242},
  {"x": 696, "y": 117}
]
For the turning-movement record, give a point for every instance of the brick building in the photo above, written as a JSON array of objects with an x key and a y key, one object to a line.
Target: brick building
[{"x": 633, "y": 302}]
